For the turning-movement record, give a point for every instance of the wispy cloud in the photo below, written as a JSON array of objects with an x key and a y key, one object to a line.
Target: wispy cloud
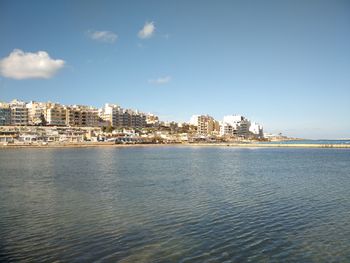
[
  {"x": 103, "y": 36},
  {"x": 160, "y": 80},
  {"x": 147, "y": 31},
  {"x": 25, "y": 65}
]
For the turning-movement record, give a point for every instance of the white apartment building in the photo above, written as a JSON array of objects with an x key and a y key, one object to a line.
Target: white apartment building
[
  {"x": 235, "y": 125},
  {"x": 194, "y": 120},
  {"x": 226, "y": 129},
  {"x": 256, "y": 129},
  {"x": 233, "y": 119},
  {"x": 238, "y": 125},
  {"x": 110, "y": 114}
]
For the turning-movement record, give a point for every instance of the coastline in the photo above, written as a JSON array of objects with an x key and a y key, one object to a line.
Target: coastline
[{"x": 233, "y": 145}]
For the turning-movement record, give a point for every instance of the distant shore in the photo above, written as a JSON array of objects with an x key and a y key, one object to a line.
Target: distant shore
[{"x": 234, "y": 145}]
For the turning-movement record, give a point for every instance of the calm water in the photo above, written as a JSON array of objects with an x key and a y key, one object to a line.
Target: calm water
[
  {"x": 312, "y": 142},
  {"x": 175, "y": 204}
]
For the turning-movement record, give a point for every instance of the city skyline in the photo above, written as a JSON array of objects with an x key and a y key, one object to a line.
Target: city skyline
[
  {"x": 17, "y": 118},
  {"x": 284, "y": 64},
  {"x": 46, "y": 104}
]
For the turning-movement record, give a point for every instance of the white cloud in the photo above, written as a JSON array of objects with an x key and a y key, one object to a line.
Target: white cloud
[
  {"x": 103, "y": 36},
  {"x": 25, "y": 65},
  {"x": 160, "y": 81},
  {"x": 147, "y": 31}
]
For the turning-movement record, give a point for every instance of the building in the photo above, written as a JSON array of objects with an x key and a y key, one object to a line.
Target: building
[
  {"x": 110, "y": 113},
  {"x": 92, "y": 118},
  {"x": 77, "y": 115},
  {"x": 226, "y": 129},
  {"x": 119, "y": 117},
  {"x": 136, "y": 119},
  {"x": 19, "y": 113},
  {"x": 235, "y": 125},
  {"x": 5, "y": 114},
  {"x": 256, "y": 130},
  {"x": 37, "y": 112},
  {"x": 207, "y": 125},
  {"x": 194, "y": 120},
  {"x": 152, "y": 120},
  {"x": 56, "y": 115}
]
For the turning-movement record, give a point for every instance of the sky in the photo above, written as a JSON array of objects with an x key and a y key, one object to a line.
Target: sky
[{"x": 284, "y": 64}]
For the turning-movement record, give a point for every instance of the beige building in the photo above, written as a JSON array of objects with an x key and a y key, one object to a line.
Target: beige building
[
  {"x": 116, "y": 116},
  {"x": 37, "y": 112},
  {"x": 152, "y": 119},
  {"x": 56, "y": 114},
  {"x": 207, "y": 125},
  {"x": 82, "y": 116}
]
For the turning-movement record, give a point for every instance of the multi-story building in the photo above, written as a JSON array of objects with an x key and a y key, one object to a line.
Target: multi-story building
[
  {"x": 243, "y": 128},
  {"x": 37, "y": 112},
  {"x": 235, "y": 125},
  {"x": 194, "y": 120},
  {"x": 136, "y": 119},
  {"x": 124, "y": 118},
  {"x": 152, "y": 120},
  {"x": 82, "y": 116},
  {"x": 257, "y": 130},
  {"x": 19, "y": 113},
  {"x": 5, "y": 114},
  {"x": 56, "y": 114},
  {"x": 226, "y": 129},
  {"x": 74, "y": 116},
  {"x": 92, "y": 118},
  {"x": 118, "y": 117},
  {"x": 207, "y": 125},
  {"x": 110, "y": 113}
]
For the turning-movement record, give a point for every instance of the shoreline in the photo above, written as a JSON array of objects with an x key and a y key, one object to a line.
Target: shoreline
[{"x": 233, "y": 145}]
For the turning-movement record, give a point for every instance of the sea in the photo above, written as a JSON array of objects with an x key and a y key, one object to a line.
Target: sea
[
  {"x": 175, "y": 204},
  {"x": 323, "y": 142}
]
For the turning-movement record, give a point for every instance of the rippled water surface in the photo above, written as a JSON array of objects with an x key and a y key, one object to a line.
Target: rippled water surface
[{"x": 175, "y": 204}]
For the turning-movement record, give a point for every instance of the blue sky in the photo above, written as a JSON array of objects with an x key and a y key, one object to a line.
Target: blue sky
[{"x": 284, "y": 64}]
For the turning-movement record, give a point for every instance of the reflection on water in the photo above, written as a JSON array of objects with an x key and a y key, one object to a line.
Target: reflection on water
[{"x": 171, "y": 204}]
